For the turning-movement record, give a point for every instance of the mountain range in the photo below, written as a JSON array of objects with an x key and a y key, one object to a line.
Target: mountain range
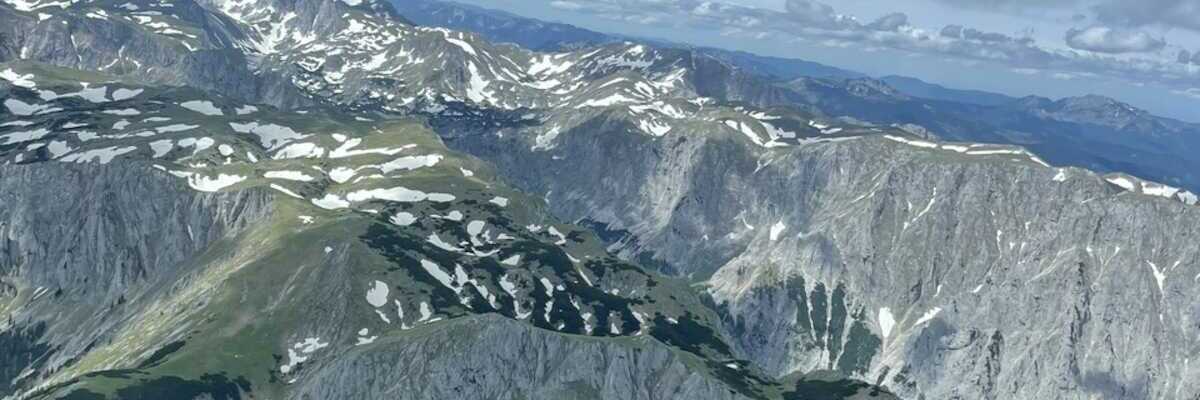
[
  {"x": 1092, "y": 132},
  {"x": 302, "y": 199}
]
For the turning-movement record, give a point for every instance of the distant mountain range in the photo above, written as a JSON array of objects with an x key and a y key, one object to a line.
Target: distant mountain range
[
  {"x": 1090, "y": 131},
  {"x": 500, "y": 26},
  {"x": 535, "y": 34},
  {"x": 919, "y": 88}
]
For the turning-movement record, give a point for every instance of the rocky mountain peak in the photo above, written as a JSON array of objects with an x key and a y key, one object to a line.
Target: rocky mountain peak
[
  {"x": 872, "y": 88},
  {"x": 1095, "y": 110},
  {"x": 1100, "y": 106}
]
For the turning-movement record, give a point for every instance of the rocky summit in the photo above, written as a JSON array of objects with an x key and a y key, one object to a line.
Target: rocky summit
[{"x": 320, "y": 199}]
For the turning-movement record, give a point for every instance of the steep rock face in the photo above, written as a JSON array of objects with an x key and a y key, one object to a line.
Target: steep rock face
[
  {"x": 64, "y": 224},
  {"x": 919, "y": 267},
  {"x": 496, "y": 358},
  {"x": 190, "y": 282},
  {"x": 81, "y": 244},
  {"x": 967, "y": 269},
  {"x": 94, "y": 40}
]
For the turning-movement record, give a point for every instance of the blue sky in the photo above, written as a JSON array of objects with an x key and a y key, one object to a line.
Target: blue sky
[{"x": 1146, "y": 53}]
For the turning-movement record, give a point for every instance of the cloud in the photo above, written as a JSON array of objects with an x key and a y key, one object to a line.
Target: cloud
[
  {"x": 1117, "y": 13},
  {"x": 816, "y": 14},
  {"x": 1010, "y": 6},
  {"x": 952, "y": 31},
  {"x": 809, "y": 9},
  {"x": 1183, "y": 14},
  {"x": 992, "y": 37},
  {"x": 566, "y": 5},
  {"x": 1191, "y": 92},
  {"x": 973, "y": 35},
  {"x": 1184, "y": 57},
  {"x": 1103, "y": 39},
  {"x": 890, "y": 22}
]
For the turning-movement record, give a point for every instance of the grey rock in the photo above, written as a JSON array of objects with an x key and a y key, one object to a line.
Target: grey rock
[
  {"x": 1005, "y": 278},
  {"x": 491, "y": 357},
  {"x": 90, "y": 245},
  {"x": 128, "y": 277},
  {"x": 121, "y": 48}
]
